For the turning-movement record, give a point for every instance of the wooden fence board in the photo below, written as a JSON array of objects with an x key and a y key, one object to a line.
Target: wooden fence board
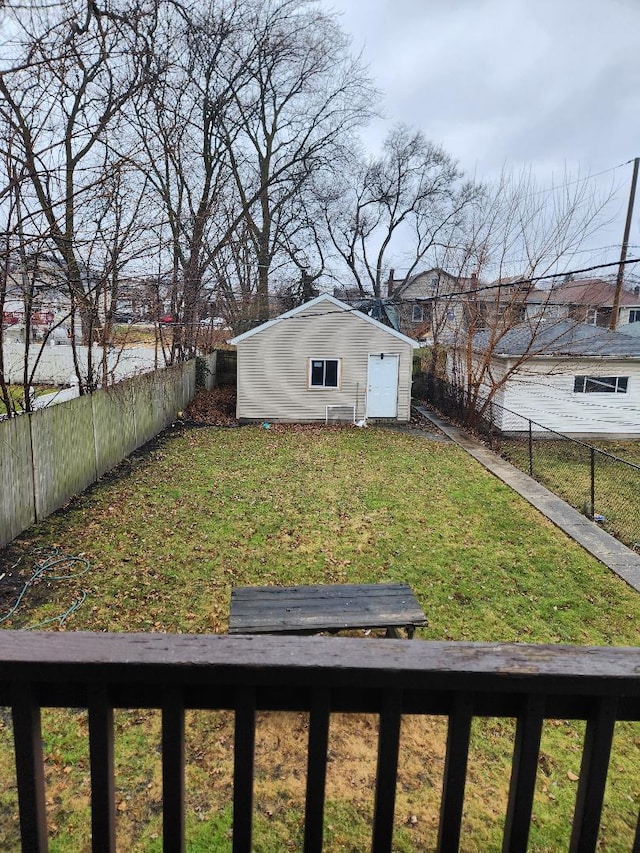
[
  {"x": 17, "y": 508},
  {"x": 50, "y": 455},
  {"x": 63, "y": 453},
  {"x": 114, "y": 425}
]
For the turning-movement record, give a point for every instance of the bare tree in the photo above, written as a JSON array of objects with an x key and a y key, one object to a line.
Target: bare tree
[
  {"x": 412, "y": 192},
  {"x": 515, "y": 237},
  {"x": 303, "y": 96},
  {"x": 65, "y": 83},
  {"x": 179, "y": 125}
]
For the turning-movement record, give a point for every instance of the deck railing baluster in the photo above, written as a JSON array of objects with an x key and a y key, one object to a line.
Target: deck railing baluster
[
  {"x": 244, "y": 753},
  {"x": 455, "y": 773},
  {"x": 27, "y": 736},
  {"x": 319, "y": 717},
  {"x": 173, "y": 771},
  {"x": 387, "y": 772},
  {"x": 593, "y": 776},
  {"x": 103, "y": 814},
  {"x": 523, "y": 775}
]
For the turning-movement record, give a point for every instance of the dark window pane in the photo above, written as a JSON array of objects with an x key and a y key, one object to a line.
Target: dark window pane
[
  {"x": 317, "y": 372},
  {"x": 600, "y": 384},
  {"x": 331, "y": 374}
]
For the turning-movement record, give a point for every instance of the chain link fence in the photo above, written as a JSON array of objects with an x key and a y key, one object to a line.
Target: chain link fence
[{"x": 603, "y": 486}]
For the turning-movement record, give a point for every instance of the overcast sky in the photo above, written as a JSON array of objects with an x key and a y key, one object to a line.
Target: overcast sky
[{"x": 549, "y": 84}]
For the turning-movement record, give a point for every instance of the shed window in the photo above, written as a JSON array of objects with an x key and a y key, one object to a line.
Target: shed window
[
  {"x": 601, "y": 384},
  {"x": 324, "y": 372}
]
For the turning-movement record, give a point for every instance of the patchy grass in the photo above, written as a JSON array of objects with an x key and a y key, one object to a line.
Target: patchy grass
[
  {"x": 16, "y": 395},
  {"x": 207, "y": 509}
]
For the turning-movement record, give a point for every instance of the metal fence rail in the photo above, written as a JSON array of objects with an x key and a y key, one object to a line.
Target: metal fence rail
[{"x": 318, "y": 676}]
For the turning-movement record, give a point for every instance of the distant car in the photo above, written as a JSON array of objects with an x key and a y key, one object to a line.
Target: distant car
[
  {"x": 122, "y": 318},
  {"x": 214, "y": 323},
  {"x": 167, "y": 318}
]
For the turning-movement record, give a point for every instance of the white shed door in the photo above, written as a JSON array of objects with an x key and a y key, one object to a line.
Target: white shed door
[{"x": 382, "y": 386}]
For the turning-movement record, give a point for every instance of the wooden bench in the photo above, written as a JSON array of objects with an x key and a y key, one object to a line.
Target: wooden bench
[{"x": 327, "y": 607}]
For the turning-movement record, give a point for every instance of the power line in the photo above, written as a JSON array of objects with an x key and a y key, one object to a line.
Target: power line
[
  {"x": 533, "y": 279},
  {"x": 582, "y": 180}
]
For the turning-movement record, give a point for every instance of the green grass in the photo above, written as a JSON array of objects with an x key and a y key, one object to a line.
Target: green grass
[
  {"x": 565, "y": 468},
  {"x": 209, "y": 509},
  {"x": 16, "y": 395}
]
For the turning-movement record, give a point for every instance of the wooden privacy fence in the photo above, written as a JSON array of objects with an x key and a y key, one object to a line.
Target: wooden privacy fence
[
  {"x": 51, "y": 454},
  {"x": 319, "y": 676}
]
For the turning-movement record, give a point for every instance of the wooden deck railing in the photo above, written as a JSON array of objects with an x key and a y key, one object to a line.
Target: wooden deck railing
[{"x": 318, "y": 675}]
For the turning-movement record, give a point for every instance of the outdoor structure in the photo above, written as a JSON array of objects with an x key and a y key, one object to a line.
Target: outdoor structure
[
  {"x": 568, "y": 376},
  {"x": 318, "y": 676},
  {"x": 323, "y": 361}
]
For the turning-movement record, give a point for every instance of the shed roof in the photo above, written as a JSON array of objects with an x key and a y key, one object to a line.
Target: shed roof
[
  {"x": 566, "y": 337},
  {"x": 338, "y": 307}
]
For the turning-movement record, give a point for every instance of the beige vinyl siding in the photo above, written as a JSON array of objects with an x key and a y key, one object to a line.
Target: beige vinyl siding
[{"x": 273, "y": 366}]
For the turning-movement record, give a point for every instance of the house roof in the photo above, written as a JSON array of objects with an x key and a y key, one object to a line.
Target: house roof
[
  {"x": 331, "y": 301},
  {"x": 566, "y": 337},
  {"x": 595, "y": 292}
]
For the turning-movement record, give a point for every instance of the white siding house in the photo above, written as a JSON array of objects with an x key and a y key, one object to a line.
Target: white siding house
[
  {"x": 573, "y": 379},
  {"x": 323, "y": 361}
]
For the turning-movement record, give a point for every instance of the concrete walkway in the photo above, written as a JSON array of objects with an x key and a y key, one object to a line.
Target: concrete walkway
[{"x": 604, "y": 547}]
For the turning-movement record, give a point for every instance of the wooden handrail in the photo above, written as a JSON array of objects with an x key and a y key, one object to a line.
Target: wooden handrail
[{"x": 318, "y": 675}]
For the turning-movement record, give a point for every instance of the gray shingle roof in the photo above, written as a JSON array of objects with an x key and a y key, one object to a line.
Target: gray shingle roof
[{"x": 555, "y": 338}]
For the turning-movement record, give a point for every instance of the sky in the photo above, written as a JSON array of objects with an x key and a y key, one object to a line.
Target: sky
[{"x": 547, "y": 85}]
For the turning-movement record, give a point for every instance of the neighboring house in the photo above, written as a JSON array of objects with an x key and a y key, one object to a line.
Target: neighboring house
[
  {"x": 587, "y": 301},
  {"x": 435, "y": 305},
  {"x": 425, "y": 303},
  {"x": 323, "y": 361},
  {"x": 566, "y": 376}
]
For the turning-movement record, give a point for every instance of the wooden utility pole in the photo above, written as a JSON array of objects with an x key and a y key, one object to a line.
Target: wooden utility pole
[{"x": 623, "y": 254}]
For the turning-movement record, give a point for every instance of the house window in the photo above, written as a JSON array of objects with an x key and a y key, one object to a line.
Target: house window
[
  {"x": 592, "y": 316},
  {"x": 450, "y": 314},
  {"x": 418, "y": 314},
  {"x": 324, "y": 372},
  {"x": 634, "y": 315},
  {"x": 600, "y": 384}
]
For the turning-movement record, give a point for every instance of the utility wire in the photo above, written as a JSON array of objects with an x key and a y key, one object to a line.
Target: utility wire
[{"x": 582, "y": 180}]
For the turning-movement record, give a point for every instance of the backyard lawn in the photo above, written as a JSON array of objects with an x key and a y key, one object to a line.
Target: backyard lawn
[{"x": 168, "y": 536}]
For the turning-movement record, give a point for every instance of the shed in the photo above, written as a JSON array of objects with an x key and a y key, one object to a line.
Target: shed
[{"x": 323, "y": 361}]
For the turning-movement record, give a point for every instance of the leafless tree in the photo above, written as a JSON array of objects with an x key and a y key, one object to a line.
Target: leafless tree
[
  {"x": 66, "y": 78},
  {"x": 515, "y": 236},
  {"x": 303, "y": 96},
  {"x": 179, "y": 124},
  {"x": 412, "y": 191}
]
